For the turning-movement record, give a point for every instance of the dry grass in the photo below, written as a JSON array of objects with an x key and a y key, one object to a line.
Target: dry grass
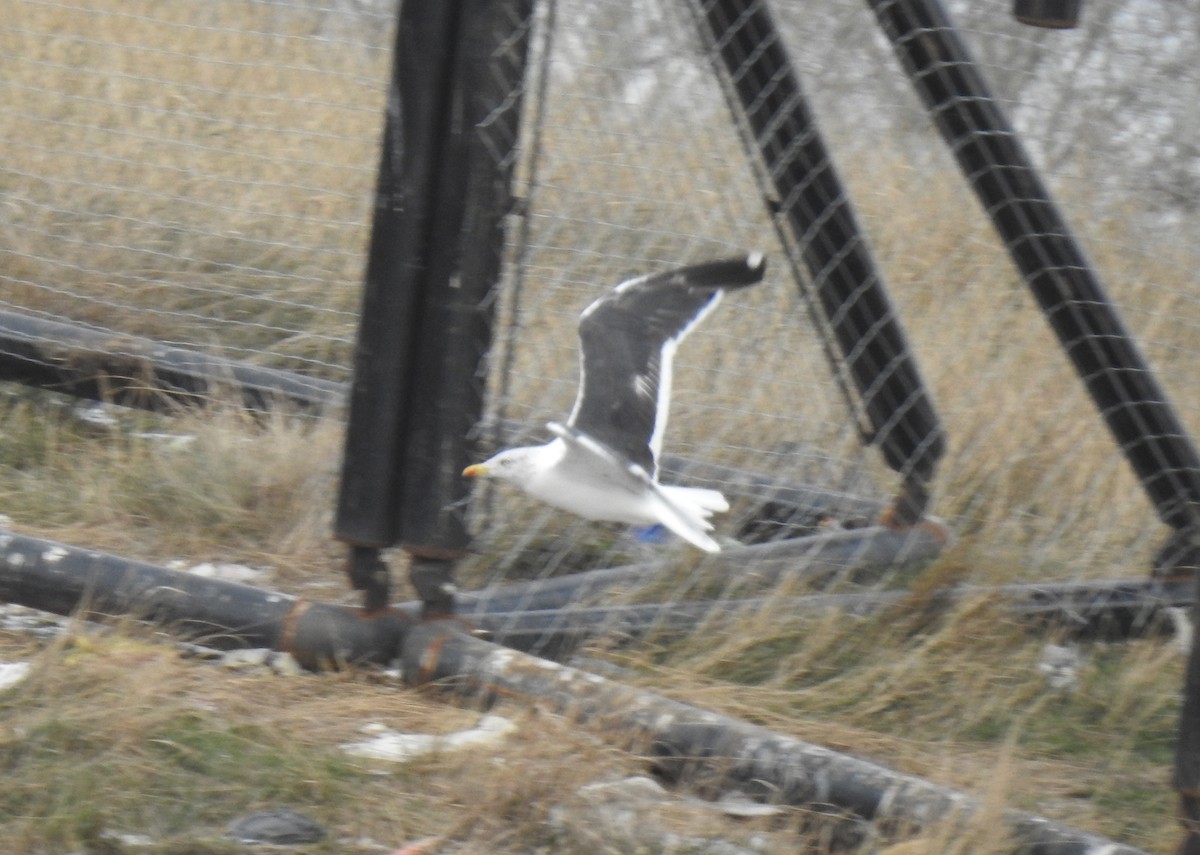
[
  {"x": 184, "y": 192},
  {"x": 185, "y": 176}
]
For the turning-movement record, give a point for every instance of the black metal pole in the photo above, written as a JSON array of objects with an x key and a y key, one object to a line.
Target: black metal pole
[
  {"x": 433, "y": 262},
  {"x": 1185, "y": 776},
  {"x": 474, "y": 197},
  {"x": 848, "y": 288},
  {"x": 990, "y": 155},
  {"x": 415, "y": 131}
]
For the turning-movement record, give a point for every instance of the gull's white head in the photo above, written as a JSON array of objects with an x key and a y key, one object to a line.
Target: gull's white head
[{"x": 517, "y": 465}]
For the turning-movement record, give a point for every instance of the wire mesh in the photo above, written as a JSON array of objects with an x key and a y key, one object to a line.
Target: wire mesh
[
  {"x": 640, "y": 166},
  {"x": 201, "y": 175},
  {"x": 198, "y": 175}
]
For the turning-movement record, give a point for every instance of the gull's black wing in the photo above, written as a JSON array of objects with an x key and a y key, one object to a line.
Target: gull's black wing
[{"x": 627, "y": 342}]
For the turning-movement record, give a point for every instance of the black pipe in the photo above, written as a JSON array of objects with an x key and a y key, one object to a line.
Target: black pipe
[
  {"x": 856, "y": 554},
  {"x": 47, "y": 575},
  {"x": 62, "y": 579},
  {"x": 848, "y": 288},
  {"x": 139, "y": 372},
  {"x": 1104, "y": 609},
  {"x": 1048, "y": 14},
  {"x": 53, "y": 577},
  {"x": 689, "y": 742},
  {"x": 788, "y": 492}
]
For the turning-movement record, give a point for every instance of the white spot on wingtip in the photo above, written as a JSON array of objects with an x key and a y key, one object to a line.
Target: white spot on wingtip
[{"x": 54, "y": 554}]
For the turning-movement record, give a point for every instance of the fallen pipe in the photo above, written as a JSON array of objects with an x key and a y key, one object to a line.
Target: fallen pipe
[
  {"x": 777, "y": 505},
  {"x": 687, "y": 741},
  {"x": 765, "y": 491},
  {"x": 1106, "y": 609},
  {"x": 50, "y": 576},
  {"x": 140, "y": 372},
  {"x": 854, "y": 553},
  {"x": 53, "y": 577}
]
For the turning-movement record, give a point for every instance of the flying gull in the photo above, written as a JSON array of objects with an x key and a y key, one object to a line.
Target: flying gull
[{"x": 603, "y": 463}]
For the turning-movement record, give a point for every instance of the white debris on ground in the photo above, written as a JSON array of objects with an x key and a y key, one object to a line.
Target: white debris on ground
[
  {"x": 394, "y": 746},
  {"x": 12, "y": 673},
  {"x": 644, "y": 813},
  {"x": 96, "y": 414},
  {"x": 113, "y": 417},
  {"x": 1061, "y": 666},
  {"x": 245, "y": 659},
  {"x": 125, "y": 840},
  {"x": 30, "y": 622}
]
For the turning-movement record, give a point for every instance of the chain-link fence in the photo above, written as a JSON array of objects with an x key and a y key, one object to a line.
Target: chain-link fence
[
  {"x": 639, "y": 165},
  {"x": 200, "y": 178},
  {"x": 977, "y": 304}
]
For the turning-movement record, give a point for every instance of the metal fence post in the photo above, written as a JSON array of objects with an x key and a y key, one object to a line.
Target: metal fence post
[
  {"x": 1105, "y": 355},
  {"x": 434, "y": 259},
  {"x": 847, "y": 287}
]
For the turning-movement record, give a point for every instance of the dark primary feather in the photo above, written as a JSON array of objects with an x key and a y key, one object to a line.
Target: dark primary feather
[{"x": 622, "y": 336}]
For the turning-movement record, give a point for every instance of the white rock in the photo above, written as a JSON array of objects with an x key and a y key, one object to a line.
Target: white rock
[
  {"x": 96, "y": 414},
  {"x": 743, "y": 807},
  {"x": 398, "y": 747},
  {"x": 634, "y": 788},
  {"x": 1061, "y": 666},
  {"x": 254, "y": 657},
  {"x": 285, "y": 665}
]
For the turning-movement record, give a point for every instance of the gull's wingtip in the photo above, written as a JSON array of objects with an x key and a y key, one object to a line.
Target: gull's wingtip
[
  {"x": 756, "y": 263},
  {"x": 726, "y": 273}
]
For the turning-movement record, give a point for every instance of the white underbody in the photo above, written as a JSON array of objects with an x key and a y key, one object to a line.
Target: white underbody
[{"x": 567, "y": 475}]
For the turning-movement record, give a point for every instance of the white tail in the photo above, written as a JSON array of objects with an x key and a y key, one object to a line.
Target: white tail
[{"x": 685, "y": 511}]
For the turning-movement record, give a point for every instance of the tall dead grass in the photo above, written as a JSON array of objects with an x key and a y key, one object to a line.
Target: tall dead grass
[{"x": 208, "y": 182}]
